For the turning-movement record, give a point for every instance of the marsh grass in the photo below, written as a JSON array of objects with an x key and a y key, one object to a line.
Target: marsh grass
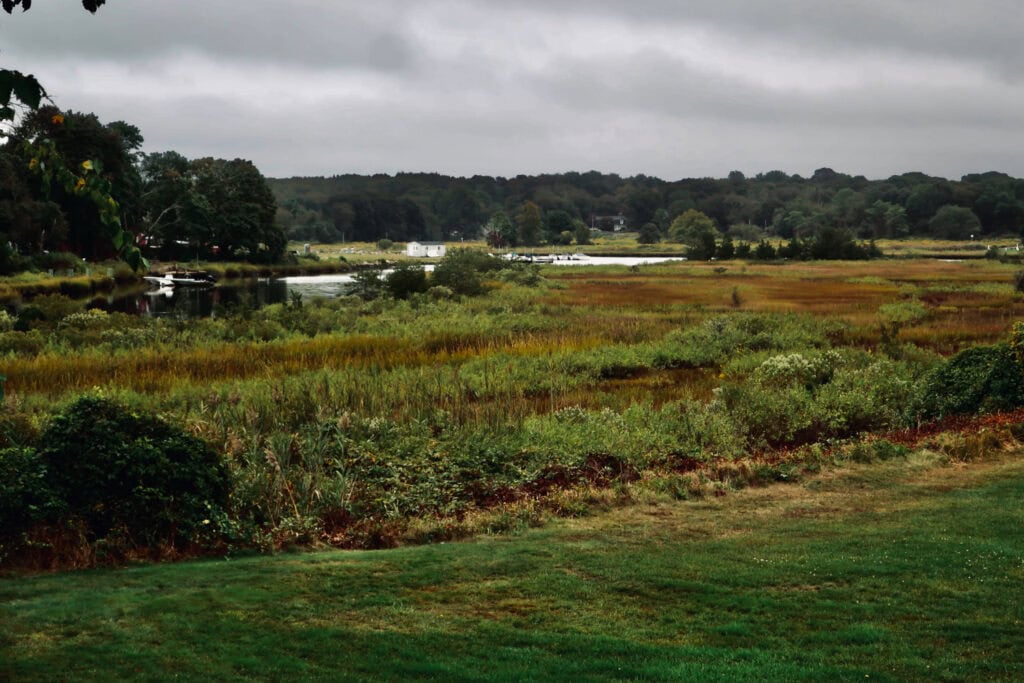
[{"x": 349, "y": 420}]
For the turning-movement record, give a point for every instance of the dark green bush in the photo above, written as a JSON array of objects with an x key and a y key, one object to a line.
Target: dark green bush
[
  {"x": 405, "y": 280},
  {"x": 26, "y": 496},
  {"x": 29, "y": 317},
  {"x": 11, "y": 261},
  {"x": 25, "y": 343},
  {"x": 462, "y": 271},
  {"x": 121, "y": 472},
  {"x": 59, "y": 261},
  {"x": 367, "y": 285},
  {"x": 977, "y": 380}
]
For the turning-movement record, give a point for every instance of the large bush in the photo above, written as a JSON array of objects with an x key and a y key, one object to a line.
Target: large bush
[
  {"x": 981, "y": 379},
  {"x": 26, "y": 496},
  {"x": 122, "y": 472},
  {"x": 405, "y": 280},
  {"x": 462, "y": 270}
]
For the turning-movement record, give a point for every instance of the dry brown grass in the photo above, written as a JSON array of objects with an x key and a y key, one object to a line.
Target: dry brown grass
[{"x": 968, "y": 302}]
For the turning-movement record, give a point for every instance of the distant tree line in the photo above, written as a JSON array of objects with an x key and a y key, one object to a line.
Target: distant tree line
[{"x": 562, "y": 208}]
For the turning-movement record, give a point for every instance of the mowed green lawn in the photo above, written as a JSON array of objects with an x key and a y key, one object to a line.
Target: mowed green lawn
[{"x": 903, "y": 570}]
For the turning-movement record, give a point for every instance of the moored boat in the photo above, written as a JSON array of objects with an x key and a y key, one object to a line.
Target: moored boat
[{"x": 182, "y": 278}]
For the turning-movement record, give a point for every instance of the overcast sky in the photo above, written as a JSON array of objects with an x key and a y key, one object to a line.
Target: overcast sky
[{"x": 670, "y": 88}]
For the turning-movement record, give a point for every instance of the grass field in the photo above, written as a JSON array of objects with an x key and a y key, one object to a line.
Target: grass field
[{"x": 912, "y": 569}]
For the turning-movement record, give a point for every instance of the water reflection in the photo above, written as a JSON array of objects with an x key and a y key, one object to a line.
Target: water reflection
[{"x": 187, "y": 302}]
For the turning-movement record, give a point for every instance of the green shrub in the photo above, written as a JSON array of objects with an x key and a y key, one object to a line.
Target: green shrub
[
  {"x": 26, "y": 496},
  {"x": 981, "y": 379},
  {"x": 440, "y": 293},
  {"x": 722, "y": 338},
  {"x": 462, "y": 271},
  {"x": 881, "y": 449},
  {"x": 29, "y": 317},
  {"x": 524, "y": 274},
  {"x": 405, "y": 280},
  {"x": 55, "y": 307},
  {"x": 123, "y": 472},
  {"x": 59, "y": 261},
  {"x": 23, "y": 343},
  {"x": 367, "y": 284}
]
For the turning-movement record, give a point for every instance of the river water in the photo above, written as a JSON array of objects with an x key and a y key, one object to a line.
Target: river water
[{"x": 209, "y": 302}]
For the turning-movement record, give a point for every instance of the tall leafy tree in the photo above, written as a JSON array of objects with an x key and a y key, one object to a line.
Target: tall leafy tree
[
  {"x": 884, "y": 219},
  {"x": 242, "y": 209},
  {"x": 88, "y": 169},
  {"x": 175, "y": 210},
  {"x": 697, "y": 231},
  {"x": 210, "y": 207},
  {"x": 530, "y": 221},
  {"x": 27, "y": 222},
  {"x": 499, "y": 231},
  {"x": 955, "y": 223},
  {"x": 558, "y": 222}
]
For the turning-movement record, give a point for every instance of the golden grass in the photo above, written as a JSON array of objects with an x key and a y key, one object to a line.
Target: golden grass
[
  {"x": 154, "y": 370},
  {"x": 964, "y": 304},
  {"x": 968, "y": 302}
]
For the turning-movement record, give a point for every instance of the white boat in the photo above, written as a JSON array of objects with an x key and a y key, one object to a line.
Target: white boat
[{"x": 182, "y": 278}]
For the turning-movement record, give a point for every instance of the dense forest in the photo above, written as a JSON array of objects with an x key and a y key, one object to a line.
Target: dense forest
[
  {"x": 528, "y": 210},
  {"x": 73, "y": 185}
]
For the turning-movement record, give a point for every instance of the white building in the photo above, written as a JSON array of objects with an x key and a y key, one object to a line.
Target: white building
[
  {"x": 425, "y": 249},
  {"x": 617, "y": 223}
]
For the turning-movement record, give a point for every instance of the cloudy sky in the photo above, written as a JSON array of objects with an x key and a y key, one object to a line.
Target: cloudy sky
[{"x": 670, "y": 88}]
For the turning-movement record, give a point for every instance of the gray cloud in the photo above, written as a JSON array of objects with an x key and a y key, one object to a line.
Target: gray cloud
[
  {"x": 651, "y": 86},
  {"x": 983, "y": 31},
  {"x": 309, "y": 34}
]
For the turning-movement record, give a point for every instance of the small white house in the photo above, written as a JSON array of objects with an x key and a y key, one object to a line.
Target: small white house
[{"x": 425, "y": 249}]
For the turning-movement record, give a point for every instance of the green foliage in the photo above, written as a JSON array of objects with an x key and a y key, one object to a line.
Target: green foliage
[
  {"x": 764, "y": 251},
  {"x": 648, "y": 234},
  {"x": 980, "y": 379},
  {"x": 24, "y": 87},
  {"x": 26, "y": 495},
  {"x": 955, "y": 223},
  {"x": 212, "y": 208},
  {"x": 722, "y": 338},
  {"x": 697, "y": 231},
  {"x": 500, "y": 232},
  {"x": 581, "y": 233},
  {"x": 1018, "y": 281},
  {"x": 367, "y": 284},
  {"x": 875, "y": 451},
  {"x": 726, "y": 249},
  {"x": 121, "y": 472},
  {"x": 68, "y": 153},
  {"x": 556, "y": 224},
  {"x": 405, "y": 280},
  {"x": 463, "y": 271},
  {"x": 425, "y": 205},
  {"x": 885, "y": 220},
  {"x": 808, "y": 397},
  {"x": 529, "y": 220}
]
